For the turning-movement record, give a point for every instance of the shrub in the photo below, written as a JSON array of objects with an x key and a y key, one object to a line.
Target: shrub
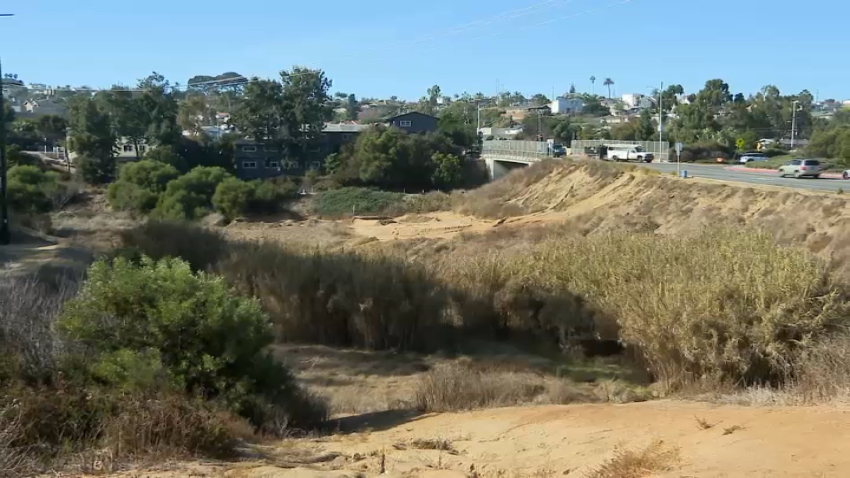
[
  {"x": 29, "y": 348},
  {"x": 711, "y": 150},
  {"x": 30, "y": 189},
  {"x": 355, "y": 201},
  {"x": 95, "y": 169},
  {"x": 725, "y": 306},
  {"x": 201, "y": 248},
  {"x": 456, "y": 387},
  {"x": 190, "y": 196},
  {"x": 52, "y": 421},
  {"x": 125, "y": 313},
  {"x": 16, "y": 157},
  {"x": 139, "y": 185},
  {"x": 233, "y": 196},
  {"x": 166, "y": 155}
]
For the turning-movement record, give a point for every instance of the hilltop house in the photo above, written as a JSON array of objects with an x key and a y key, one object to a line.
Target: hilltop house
[{"x": 258, "y": 160}]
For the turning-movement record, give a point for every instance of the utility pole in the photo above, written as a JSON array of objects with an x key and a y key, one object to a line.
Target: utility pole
[
  {"x": 661, "y": 118},
  {"x": 4, "y": 207},
  {"x": 793, "y": 122}
]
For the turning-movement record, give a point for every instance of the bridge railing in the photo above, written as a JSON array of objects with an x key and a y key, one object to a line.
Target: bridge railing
[{"x": 528, "y": 149}]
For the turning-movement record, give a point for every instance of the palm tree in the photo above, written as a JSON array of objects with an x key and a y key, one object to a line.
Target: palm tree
[
  {"x": 593, "y": 85},
  {"x": 608, "y": 82}
]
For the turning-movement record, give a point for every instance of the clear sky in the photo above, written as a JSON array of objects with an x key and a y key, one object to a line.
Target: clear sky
[{"x": 381, "y": 48}]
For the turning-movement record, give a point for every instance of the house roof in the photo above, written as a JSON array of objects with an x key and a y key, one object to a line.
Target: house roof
[{"x": 409, "y": 114}]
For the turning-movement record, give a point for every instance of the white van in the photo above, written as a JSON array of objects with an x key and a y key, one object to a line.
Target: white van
[{"x": 628, "y": 152}]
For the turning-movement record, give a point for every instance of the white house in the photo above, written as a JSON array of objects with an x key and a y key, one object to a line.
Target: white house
[
  {"x": 566, "y": 106},
  {"x": 637, "y": 101}
]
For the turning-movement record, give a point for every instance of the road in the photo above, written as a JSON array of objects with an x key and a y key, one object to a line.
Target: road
[{"x": 768, "y": 177}]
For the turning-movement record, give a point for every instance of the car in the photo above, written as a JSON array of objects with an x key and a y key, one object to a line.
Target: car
[
  {"x": 747, "y": 157},
  {"x": 800, "y": 168}
]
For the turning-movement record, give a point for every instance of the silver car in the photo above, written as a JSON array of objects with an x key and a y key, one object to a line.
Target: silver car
[{"x": 801, "y": 168}]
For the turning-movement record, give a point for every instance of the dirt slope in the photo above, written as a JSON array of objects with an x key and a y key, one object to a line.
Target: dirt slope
[
  {"x": 597, "y": 199},
  {"x": 574, "y": 441}
]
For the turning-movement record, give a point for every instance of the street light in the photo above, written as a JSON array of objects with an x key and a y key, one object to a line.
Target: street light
[{"x": 4, "y": 208}]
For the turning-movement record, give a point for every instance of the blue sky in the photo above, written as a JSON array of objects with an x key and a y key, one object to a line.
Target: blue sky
[{"x": 393, "y": 47}]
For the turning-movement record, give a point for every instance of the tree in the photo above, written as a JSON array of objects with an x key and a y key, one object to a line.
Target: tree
[
  {"x": 159, "y": 108},
  {"x": 645, "y": 129},
  {"x": 194, "y": 113},
  {"x": 93, "y": 139},
  {"x": 539, "y": 99},
  {"x": 289, "y": 114},
  {"x": 448, "y": 171},
  {"x": 352, "y": 108},
  {"x": 593, "y": 85},
  {"x": 52, "y": 127},
  {"x": 128, "y": 118},
  {"x": 261, "y": 113},
  {"x": 572, "y": 88},
  {"x": 608, "y": 82}
]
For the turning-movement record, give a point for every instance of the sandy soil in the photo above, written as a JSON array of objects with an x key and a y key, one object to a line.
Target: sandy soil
[
  {"x": 569, "y": 441},
  {"x": 597, "y": 201}
]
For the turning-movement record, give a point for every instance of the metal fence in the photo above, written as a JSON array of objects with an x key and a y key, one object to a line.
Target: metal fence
[
  {"x": 534, "y": 149},
  {"x": 660, "y": 149}
]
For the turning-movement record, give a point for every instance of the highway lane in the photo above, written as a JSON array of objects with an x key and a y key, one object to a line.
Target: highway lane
[{"x": 768, "y": 177}]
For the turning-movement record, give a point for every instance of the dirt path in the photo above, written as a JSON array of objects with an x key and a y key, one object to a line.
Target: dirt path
[{"x": 696, "y": 440}]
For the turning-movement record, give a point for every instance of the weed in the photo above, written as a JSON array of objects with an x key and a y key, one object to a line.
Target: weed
[
  {"x": 704, "y": 424},
  {"x": 839, "y": 191},
  {"x": 638, "y": 463},
  {"x": 732, "y": 429},
  {"x": 434, "y": 444}
]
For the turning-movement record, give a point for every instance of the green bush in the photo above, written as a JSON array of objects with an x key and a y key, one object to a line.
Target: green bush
[
  {"x": 139, "y": 185},
  {"x": 30, "y": 189},
  {"x": 233, "y": 197},
  {"x": 693, "y": 152},
  {"x": 355, "y": 201},
  {"x": 210, "y": 342},
  {"x": 16, "y": 157},
  {"x": 190, "y": 196},
  {"x": 95, "y": 169},
  {"x": 166, "y": 155}
]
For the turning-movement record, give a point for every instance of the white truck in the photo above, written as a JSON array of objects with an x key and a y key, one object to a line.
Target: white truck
[{"x": 628, "y": 152}]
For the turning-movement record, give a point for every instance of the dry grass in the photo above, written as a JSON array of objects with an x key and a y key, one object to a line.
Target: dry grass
[
  {"x": 460, "y": 386},
  {"x": 638, "y": 463}
]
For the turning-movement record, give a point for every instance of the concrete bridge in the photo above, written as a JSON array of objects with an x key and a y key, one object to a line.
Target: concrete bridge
[{"x": 500, "y": 164}]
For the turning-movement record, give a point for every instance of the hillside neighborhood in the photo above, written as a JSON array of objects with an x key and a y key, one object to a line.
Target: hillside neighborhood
[{"x": 512, "y": 239}]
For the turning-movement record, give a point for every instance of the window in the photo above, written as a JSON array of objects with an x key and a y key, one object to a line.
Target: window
[
  {"x": 405, "y": 124},
  {"x": 316, "y": 149},
  {"x": 273, "y": 164},
  {"x": 271, "y": 149},
  {"x": 315, "y": 165},
  {"x": 249, "y": 149},
  {"x": 290, "y": 164},
  {"x": 796, "y": 162},
  {"x": 346, "y": 137},
  {"x": 142, "y": 148},
  {"x": 811, "y": 162},
  {"x": 128, "y": 148},
  {"x": 249, "y": 165}
]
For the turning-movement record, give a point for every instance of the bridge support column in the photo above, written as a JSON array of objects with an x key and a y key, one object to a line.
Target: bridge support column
[{"x": 495, "y": 169}]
